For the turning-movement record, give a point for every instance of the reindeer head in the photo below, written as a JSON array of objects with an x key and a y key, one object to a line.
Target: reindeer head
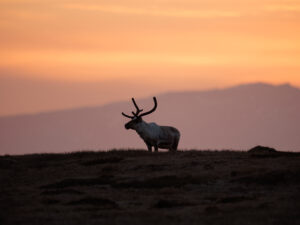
[{"x": 137, "y": 117}]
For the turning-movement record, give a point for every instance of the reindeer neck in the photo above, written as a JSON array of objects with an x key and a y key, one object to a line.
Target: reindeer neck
[
  {"x": 144, "y": 129},
  {"x": 140, "y": 128},
  {"x": 149, "y": 132}
]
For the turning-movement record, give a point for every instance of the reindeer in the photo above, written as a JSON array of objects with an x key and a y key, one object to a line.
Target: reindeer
[{"x": 153, "y": 135}]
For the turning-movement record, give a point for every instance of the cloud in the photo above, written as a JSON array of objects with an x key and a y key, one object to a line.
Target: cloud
[{"x": 183, "y": 13}]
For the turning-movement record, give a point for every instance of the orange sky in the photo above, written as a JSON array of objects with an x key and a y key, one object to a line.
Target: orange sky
[{"x": 166, "y": 44}]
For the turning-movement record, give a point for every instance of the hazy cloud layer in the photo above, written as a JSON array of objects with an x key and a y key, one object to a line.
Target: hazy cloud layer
[{"x": 157, "y": 45}]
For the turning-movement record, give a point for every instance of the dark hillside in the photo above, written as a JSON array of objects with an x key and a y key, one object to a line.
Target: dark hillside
[{"x": 137, "y": 187}]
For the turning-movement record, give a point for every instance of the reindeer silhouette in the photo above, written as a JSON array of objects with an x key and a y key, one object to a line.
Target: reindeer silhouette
[{"x": 164, "y": 137}]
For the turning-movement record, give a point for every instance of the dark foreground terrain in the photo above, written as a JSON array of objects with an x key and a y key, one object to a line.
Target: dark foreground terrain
[{"x": 137, "y": 187}]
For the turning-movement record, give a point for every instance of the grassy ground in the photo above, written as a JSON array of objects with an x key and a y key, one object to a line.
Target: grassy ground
[{"x": 137, "y": 187}]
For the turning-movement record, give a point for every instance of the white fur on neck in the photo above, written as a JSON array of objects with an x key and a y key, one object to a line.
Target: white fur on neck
[{"x": 148, "y": 131}]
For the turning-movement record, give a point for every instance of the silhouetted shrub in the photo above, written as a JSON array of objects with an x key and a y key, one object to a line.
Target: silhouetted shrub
[
  {"x": 162, "y": 182},
  {"x": 171, "y": 204},
  {"x": 234, "y": 199},
  {"x": 78, "y": 182},
  {"x": 7, "y": 163},
  {"x": 50, "y": 201},
  {"x": 99, "y": 202},
  {"x": 102, "y": 161},
  {"x": 271, "y": 178},
  {"x": 61, "y": 191}
]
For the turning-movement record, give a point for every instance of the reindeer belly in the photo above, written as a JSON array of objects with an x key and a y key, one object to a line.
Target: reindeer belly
[
  {"x": 167, "y": 136},
  {"x": 160, "y": 136}
]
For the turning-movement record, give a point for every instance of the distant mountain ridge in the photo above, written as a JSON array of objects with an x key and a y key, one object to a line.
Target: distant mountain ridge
[{"x": 234, "y": 118}]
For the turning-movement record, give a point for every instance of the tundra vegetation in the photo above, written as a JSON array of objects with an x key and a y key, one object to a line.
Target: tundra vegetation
[{"x": 138, "y": 187}]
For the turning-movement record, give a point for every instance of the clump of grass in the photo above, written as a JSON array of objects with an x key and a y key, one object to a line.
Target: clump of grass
[
  {"x": 161, "y": 204},
  {"x": 102, "y": 161},
  {"x": 73, "y": 182},
  {"x": 61, "y": 192},
  {"x": 7, "y": 163},
  {"x": 150, "y": 167},
  {"x": 271, "y": 178},
  {"x": 99, "y": 202},
  {"x": 50, "y": 201},
  {"x": 212, "y": 210},
  {"x": 163, "y": 182},
  {"x": 234, "y": 199}
]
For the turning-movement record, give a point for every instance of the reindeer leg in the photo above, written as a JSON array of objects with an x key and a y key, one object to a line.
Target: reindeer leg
[
  {"x": 156, "y": 148},
  {"x": 175, "y": 144},
  {"x": 149, "y": 147}
]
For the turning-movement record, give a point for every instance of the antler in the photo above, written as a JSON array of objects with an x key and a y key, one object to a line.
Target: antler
[
  {"x": 152, "y": 110},
  {"x": 131, "y": 117},
  {"x": 135, "y": 114},
  {"x": 138, "y": 110}
]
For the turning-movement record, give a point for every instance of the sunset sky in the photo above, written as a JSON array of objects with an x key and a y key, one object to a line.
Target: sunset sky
[{"x": 58, "y": 54}]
